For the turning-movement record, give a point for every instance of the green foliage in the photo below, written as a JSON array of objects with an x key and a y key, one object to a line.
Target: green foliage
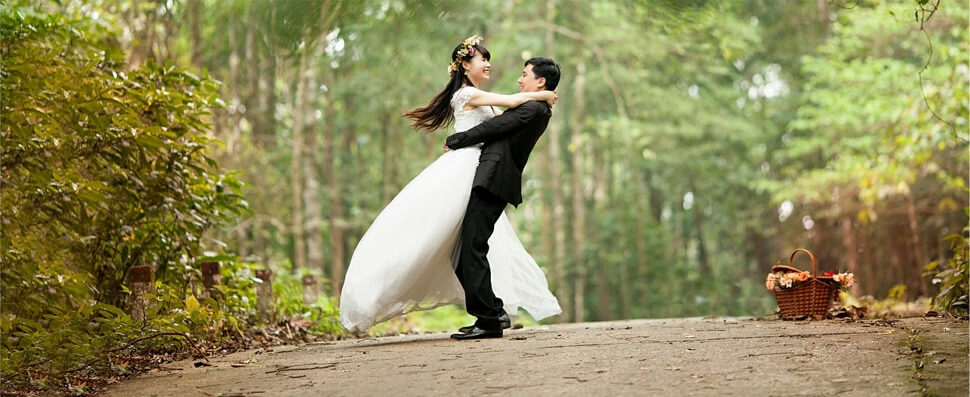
[
  {"x": 735, "y": 105},
  {"x": 953, "y": 277},
  {"x": 864, "y": 125},
  {"x": 323, "y": 313},
  {"x": 103, "y": 168}
]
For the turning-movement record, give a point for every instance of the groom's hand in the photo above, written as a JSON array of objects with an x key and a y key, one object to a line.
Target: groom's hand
[{"x": 445, "y": 146}]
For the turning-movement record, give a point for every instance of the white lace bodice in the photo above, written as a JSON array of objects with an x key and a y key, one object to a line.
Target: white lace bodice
[{"x": 466, "y": 119}]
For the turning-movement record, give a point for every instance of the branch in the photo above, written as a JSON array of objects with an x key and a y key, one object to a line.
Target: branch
[{"x": 927, "y": 65}]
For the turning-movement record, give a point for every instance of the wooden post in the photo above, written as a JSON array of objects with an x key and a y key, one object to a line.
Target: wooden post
[
  {"x": 309, "y": 289},
  {"x": 210, "y": 278},
  {"x": 141, "y": 279},
  {"x": 264, "y": 296}
]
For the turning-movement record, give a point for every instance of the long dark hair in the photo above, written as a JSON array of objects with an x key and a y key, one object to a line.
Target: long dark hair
[{"x": 438, "y": 113}]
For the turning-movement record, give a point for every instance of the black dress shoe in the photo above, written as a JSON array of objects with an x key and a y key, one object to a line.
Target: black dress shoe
[
  {"x": 503, "y": 321},
  {"x": 477, "y": 333}
]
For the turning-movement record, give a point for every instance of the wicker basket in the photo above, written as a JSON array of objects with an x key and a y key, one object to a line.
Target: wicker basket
[{"x": 812, "y": 297}]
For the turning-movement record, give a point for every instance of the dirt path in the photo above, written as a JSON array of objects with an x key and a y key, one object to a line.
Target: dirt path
[{"x": 639, "y": 357}]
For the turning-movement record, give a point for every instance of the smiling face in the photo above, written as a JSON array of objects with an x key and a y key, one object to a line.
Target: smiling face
[
  {"x": 528, "y": 81},
  {"x": 477, "y": 68}
]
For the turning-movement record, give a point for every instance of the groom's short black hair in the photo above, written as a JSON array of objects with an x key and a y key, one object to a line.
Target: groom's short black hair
[{"x": 545, "y": 67}]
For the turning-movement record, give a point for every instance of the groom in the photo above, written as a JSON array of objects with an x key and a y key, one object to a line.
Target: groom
[{"x": 508, "y": 139}]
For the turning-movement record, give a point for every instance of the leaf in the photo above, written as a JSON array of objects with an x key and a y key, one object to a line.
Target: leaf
[{"x": 191, "y": 304}]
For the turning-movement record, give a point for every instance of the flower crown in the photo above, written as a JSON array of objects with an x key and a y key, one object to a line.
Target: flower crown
[{"x": 467, "y": 49}]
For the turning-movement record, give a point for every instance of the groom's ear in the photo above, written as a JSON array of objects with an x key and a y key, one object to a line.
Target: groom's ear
[{"x": 542, "y": 82}]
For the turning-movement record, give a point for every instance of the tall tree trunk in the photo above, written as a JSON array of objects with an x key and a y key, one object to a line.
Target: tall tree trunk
[
  {"x": 243, "y": 241},
  {"x": 386, "y": 163},
  {"x": 254, "y": 99},
  {"x": 297, "y": 162},
  {"x": 698, "y": 224},
  {"x": 579, "y": 201},
  {"x": 265, "y": 130},
  {"x": 554, "y": 234},
  {"x": 639, "y": 223},
  {"x": 823, "y": 14},
  {"x": 848, "y": 235},
  {"x": 143, "y": 50},
  {"x": 917, "y": 246},
  {"x": 195, "y": 29},
  {"x": 336, "y": 221},
  {"x": 314, "y": 206},
  {"x": 702, "y": 257},
  {"x": 233, "y": 92},
  {"x": 337, "y": 227},
  {"x": 171, "y": 32},
  {"x": 600, "y": 160}
]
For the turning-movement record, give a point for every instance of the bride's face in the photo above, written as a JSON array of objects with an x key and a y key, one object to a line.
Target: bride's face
[{"x": 477, "y": 68}]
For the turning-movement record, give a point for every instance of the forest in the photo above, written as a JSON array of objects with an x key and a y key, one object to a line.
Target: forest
[{"x": 694, "y": 145}]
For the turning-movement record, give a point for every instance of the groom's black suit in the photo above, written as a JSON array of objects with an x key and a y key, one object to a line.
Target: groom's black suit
[{"x": 509, "y": 139}]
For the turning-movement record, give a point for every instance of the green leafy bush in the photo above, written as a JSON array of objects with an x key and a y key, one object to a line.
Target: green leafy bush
[
  {"x": 323, "y": 314},
  {"x": 953, "y": 276},
  {"x": 103, "y": 168}
]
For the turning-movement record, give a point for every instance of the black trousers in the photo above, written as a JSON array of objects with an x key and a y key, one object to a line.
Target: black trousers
[{"x": 473, "y": 270}]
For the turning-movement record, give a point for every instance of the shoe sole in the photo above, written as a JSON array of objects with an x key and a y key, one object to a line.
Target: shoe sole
[{"x": 466, "y": 330}]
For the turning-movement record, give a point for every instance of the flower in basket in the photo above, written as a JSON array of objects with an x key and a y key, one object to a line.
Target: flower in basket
[
  {"x": 785, "y": 279},
  {"x": 847, "y": 280},
  {"x": 771, "y": 281}
]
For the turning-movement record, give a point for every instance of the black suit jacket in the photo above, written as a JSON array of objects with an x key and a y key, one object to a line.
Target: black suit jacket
[{"x": 509, "y": 139}]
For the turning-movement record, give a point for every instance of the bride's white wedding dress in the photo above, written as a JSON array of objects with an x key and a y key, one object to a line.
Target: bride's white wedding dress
[{"x": 405, "y": 261}]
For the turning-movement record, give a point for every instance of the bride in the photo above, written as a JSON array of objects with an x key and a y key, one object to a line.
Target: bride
[{"x": 406, "y": 259}]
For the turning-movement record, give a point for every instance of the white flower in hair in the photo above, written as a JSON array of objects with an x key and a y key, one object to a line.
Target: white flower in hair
[{"x": 467, "y": 49}]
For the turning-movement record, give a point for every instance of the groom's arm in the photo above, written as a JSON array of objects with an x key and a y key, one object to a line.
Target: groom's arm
[{"x": 497, "y": 127}]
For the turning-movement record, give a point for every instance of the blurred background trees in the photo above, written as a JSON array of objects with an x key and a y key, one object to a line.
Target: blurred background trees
[{"x": 693, "y": 145}]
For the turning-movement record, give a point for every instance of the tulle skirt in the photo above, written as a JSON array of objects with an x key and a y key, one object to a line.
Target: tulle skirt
[{"x": 406, "y": 259}]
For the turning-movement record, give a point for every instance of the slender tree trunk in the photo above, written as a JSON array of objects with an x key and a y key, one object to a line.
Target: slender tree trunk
[
  {"x": 558, "y": 226},
  {"x": 823, "y": 14},
  {"x": 579, "y": 201},
  {"x": 897, "y": 263},
  {"x": 254, "y": 106},
  {"x": 337, "y": 235},
  {"x": 265, "y": 132},
  {"x": 195, "y": 29},
  {"x": 916, "y": 244},
  {"x": 697, "y": 214},
  {"x": 600, "y": 160},
  {"x": 554, "y": 234},
  {"x": 849, "y": 243},
  {"x": 171, "y": 32},
  {"x": 243, "y": 242},
  {"x": 702, "y": 257},
  {"x": 312, "y": 195},
  {"x": 336, "y": 221},
  {"x": 296, "y": 164},
  {"x": 386, "y": 163},
  {"x": 639, "y": 222},
  {"x": 143, "y": 50},
  {"x": 233, "y": 92}
]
